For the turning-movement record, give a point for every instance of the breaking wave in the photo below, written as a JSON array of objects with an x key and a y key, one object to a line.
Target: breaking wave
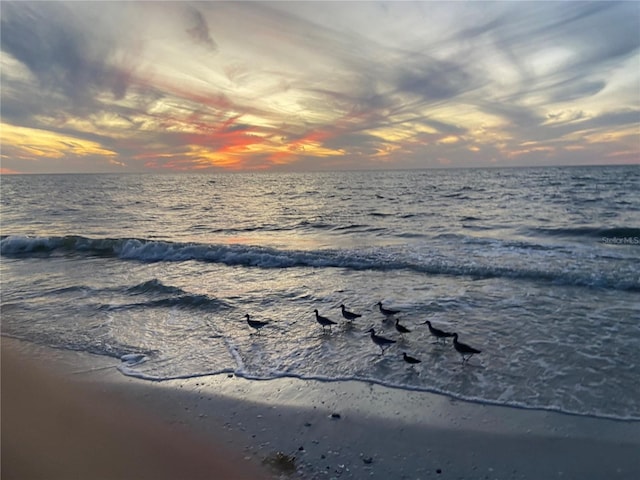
[{"x": 378, "y": 259}]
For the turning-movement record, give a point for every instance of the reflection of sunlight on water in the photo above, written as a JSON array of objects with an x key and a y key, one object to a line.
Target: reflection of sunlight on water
[
  {"x": 290, "y": 241},
  {"x": 308, "y": 242}
]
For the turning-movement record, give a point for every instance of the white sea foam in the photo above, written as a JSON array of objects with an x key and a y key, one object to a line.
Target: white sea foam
[{"x": 133, "y": 359}]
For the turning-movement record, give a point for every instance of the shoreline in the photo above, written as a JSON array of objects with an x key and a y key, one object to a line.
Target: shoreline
[
  {"x": 408, "y": 390},
  {"x": 352, "y": 429}
]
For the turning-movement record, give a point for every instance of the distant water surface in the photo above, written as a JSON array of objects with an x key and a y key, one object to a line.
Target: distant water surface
[{"x": 539, "y": 268}]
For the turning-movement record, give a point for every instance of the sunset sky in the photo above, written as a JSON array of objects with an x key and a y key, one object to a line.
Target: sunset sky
[{"x": 296, "y": 86}]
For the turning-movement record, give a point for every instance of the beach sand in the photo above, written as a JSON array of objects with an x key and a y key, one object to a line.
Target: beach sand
[{"x": 74, "y": 415}]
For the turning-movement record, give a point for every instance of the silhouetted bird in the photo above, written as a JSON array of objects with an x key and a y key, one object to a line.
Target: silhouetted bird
[
  {"x": 349, "y": 315},
  {"x": 401, "y": 328},
  {"x": 463, "y": 349},
  {"x": 324, "y": 321},
  {"x": 256, "y": 324},
  {"x": 386, "y": 311},
  {"x": 409, "y": 359},
  {"x": 382, "y": 342},
  {"x": 436, "y": 332}
]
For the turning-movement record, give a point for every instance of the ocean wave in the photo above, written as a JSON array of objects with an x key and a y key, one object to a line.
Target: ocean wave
[
  {"x": 182, "y": 301},
  {"x": 170, "y": 297},
  {"x": 355, "y": 259},
  {"x": 590, "y": 232},
  {"x": 155, "y": 286}
]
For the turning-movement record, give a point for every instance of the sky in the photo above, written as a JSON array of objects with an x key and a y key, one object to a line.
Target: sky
[{"x": 307, "y": 86}]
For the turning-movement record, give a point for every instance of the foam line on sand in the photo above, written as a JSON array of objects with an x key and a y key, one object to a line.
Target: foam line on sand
[{"x": 291, "y": 428}]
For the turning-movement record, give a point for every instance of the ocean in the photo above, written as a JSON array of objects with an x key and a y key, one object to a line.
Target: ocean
[{"x": 539, "y": 268}]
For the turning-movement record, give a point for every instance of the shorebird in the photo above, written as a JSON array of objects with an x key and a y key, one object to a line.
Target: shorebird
[
  {"x": 409, "y": 359},
  {"x": 324, "y": 321},
  {"x": 385, "y": 311},
  {"x": 349, "y": 315},
  {"x": 382, "y": 342},
  {"x": 436, "y": 332},
  {"x": 463, "y": 349},
  {"x": 401, "y": 328},
  {"x": 257, "y": 324}
]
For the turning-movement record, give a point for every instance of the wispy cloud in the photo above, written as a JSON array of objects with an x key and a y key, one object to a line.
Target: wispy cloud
[{"x": 324, "y": 85}]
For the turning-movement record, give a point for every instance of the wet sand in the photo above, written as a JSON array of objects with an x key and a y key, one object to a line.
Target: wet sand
[{"x": 76, "y": 412}]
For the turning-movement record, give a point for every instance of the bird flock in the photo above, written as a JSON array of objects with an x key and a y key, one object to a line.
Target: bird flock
[{"x": 465, "y": 351}]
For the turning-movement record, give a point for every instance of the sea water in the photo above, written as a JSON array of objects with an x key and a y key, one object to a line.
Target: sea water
[{"x": 537, "y": 267}]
